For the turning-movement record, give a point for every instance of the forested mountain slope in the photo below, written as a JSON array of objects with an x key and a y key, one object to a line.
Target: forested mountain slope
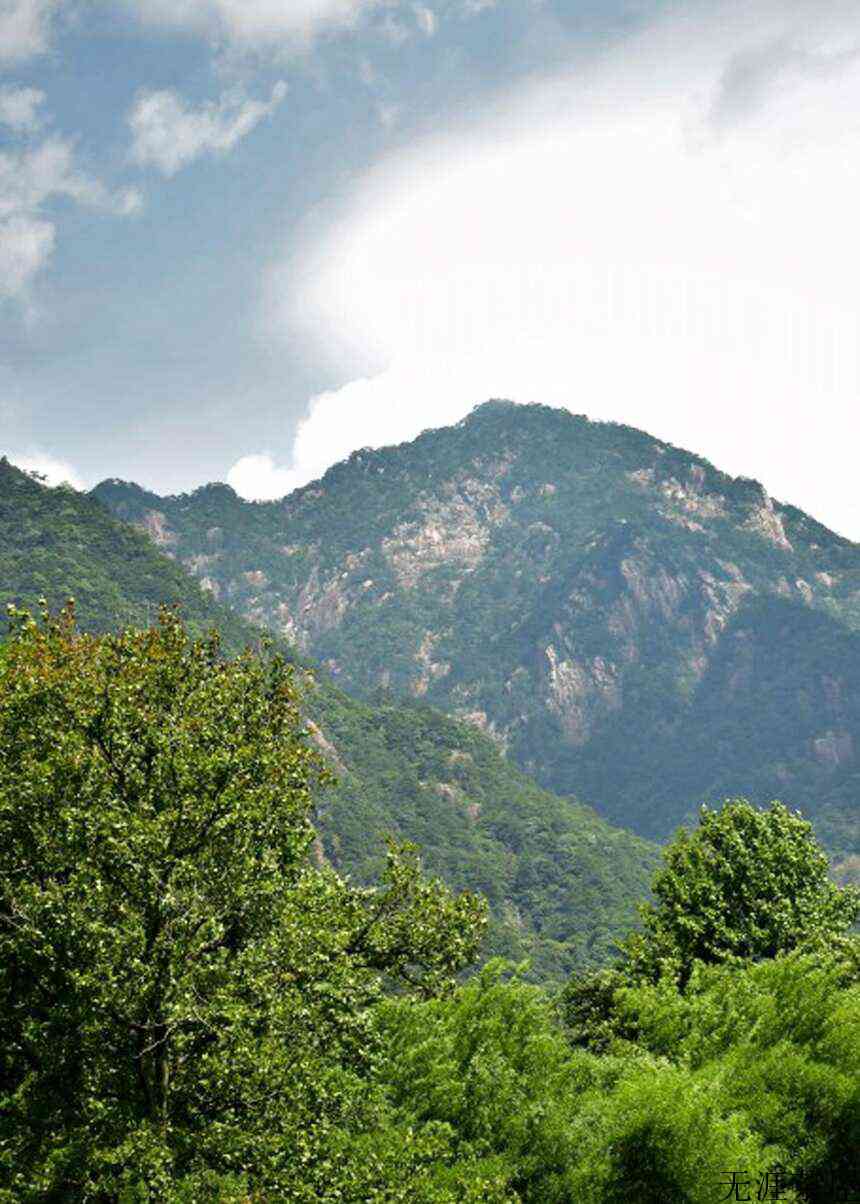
[
  {"x": 58, "y": 543},
  {"x": 562, "y": 882},
  {"x": 628, "y": 622}
]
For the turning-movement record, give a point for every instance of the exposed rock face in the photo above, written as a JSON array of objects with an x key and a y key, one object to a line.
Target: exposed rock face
[
  {"x": 325, "y": 746},
  {"x": 768, "y": 523},
  {"x": 576, "y": 590},
  {"x": 834, "y": 749},
  {"x": 416, "y": 550},
  {"x": 580, "y": 693},
  {"x": 430, "y": 670},
  {"x": 452, "y": 531},
  {"x": 199, "y": 564},
  {"x": 483, "y": 723},
  {"x": 155, "y": 525},
  {"x": 685, "y": 503}
]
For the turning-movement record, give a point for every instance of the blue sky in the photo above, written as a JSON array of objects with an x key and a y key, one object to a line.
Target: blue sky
[{"x": 239, "y": 238}]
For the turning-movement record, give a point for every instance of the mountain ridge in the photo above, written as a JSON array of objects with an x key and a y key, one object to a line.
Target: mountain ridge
[{"x": 565, "y": 585}]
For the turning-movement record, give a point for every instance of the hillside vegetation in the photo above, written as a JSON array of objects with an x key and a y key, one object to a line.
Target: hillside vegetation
[
  {"x": 194, "y": 1011},
  {"x": 58, "y": 543},
  {"x": 562, "y": 882},
  {"x": 629, "y": 623}
]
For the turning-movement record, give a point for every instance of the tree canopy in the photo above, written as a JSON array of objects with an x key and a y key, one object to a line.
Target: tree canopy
[
  {"x": 185, "y": 993},
  {"x": 747, "y": 883},
  {"x": 196, "y": 1007}
]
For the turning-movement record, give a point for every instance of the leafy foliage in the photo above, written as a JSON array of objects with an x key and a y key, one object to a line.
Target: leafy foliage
[
  {"x": 492, "y": 1066},
  {"x": 195, "y": 1010},
  {"x": 666, "y": 1086},
  {"x": 185, "y": 999},
  {"x": 782, "y": 1039},
  {"x": 746, "y": 884},
  {"x": 560, "y": 1124},
  {"x": 559, "y": 880}
]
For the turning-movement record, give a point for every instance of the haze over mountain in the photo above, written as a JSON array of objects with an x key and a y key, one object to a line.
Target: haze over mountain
[
  {"x": 561, "y": 882},
  {"x": 626, "y": 621}
]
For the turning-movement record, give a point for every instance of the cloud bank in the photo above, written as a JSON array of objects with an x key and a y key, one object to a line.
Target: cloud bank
[
  {"x": 665, "y": 239},
  {"x": 25, "y": 28},
  {"x": 253, "y": 23},
  {"x": 277, "y": 26},
  {"x": 26, "y": 245},
  {"x": 259, "y": 479},
  {"x": 19, "y": 108},
  {"x": 32, "y": 175},
  {"x": 55, "y": 472},
  {"x": 169, "y": 134}
]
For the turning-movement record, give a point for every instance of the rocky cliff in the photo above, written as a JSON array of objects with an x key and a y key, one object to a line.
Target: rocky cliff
[{"x": 594, "y": 599}]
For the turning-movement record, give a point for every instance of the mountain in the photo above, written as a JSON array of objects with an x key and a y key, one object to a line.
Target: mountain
[
  {"x": 58, "y": 543},
  {"x": 562, "y": 883},
  {"x": 627, "y": 622}
]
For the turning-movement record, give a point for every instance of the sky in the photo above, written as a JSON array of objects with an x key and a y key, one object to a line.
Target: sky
[{"x": 241, "y": 238}]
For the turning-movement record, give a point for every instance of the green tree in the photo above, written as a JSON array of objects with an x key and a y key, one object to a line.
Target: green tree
[
  {"x": 490, "y": 1063},
  {"x": 657, "y": 1136},
  {"x": 747, "y": 884},
  {"x": 588, "y": 1009},
  {"x": 556, "y": 1125},
  {"x": 186, "y": 996},
  {"x": 778, "y": 1040}
]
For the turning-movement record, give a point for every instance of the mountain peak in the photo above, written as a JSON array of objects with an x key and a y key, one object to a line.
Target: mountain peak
[{"x": 576, "y": 589}]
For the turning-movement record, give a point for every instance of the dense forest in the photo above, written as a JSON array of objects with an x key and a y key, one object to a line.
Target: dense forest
[
  {"x": 59, "y": 543},
  {"x": 198, "y": 1008}
]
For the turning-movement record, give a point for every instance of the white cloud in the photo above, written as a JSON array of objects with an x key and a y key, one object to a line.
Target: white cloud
[
  {"x": 30, "y": 177},
  {"x": 259, "y": 479},
  {"x": 756, "y": 75},
  {"x": 25, "y": 27},
  {"x": 602, "y": 243},
  {"x": 426, "y": 19},
  {"x": 26, "y": 245},
  {"x": 389, "y": 408},
  {"x": 19, "y": 108},
  {"x": 254, "y": 23},
  {"x": 473, "y": 7},
  {"x": 55, "y": 472},
  {"x": 168, "y": 133}
]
